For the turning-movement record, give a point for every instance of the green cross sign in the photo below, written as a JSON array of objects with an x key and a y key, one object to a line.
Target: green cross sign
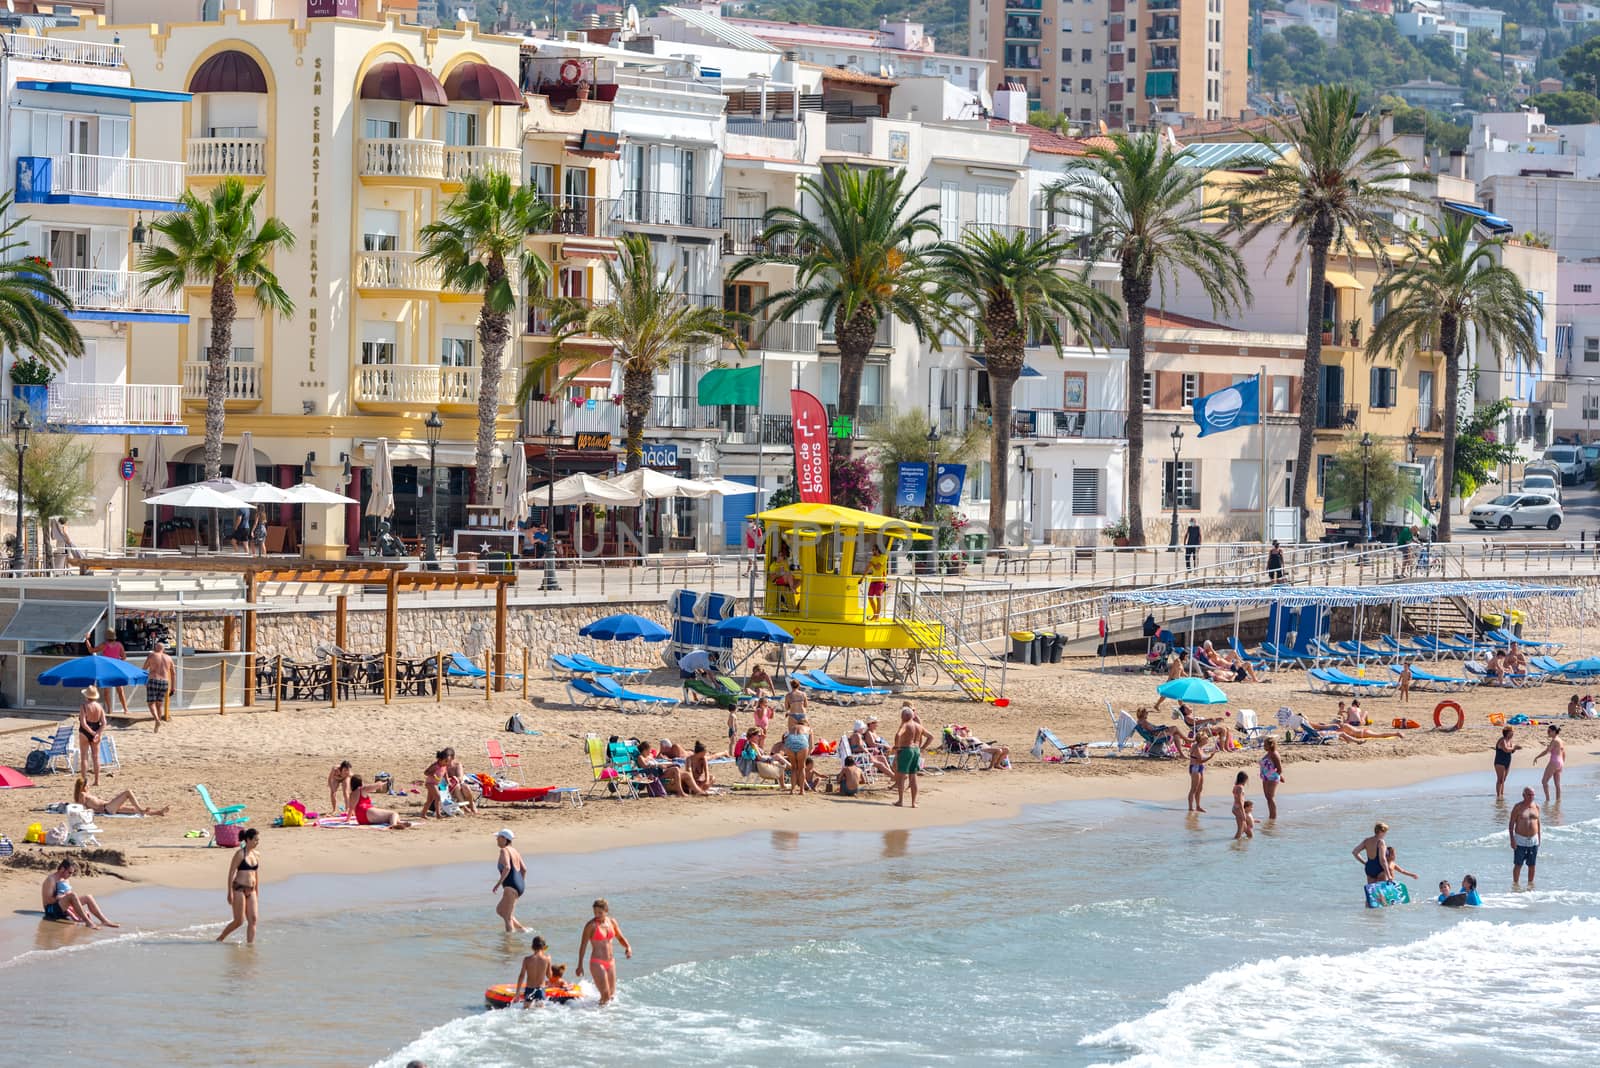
[{"x": 841, "y": 427}]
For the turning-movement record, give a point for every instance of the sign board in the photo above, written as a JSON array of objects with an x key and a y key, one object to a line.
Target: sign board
[
  {"x": 841, "y": 427},
  {"x": 598, "y": 141},
  {"x": 127, "y": 468},
  {"x": 912, "y": 488},
  {"x": 591, "y": 439},
  {"x": 660, "y": 454},
  {"x": 332, "y": 9},
  {"x": 810, "y": 421},
  {"x": 947, "y": 482}
]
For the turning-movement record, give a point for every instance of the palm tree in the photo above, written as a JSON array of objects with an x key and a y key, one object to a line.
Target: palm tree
[
  {"x": 1011, "y": 286},
  {"x": 215, "y": 241},
  {"x": 648, "y": 322},
  {"x": 1454, "y": 287},
  {"x": 480, "y": 245},
  {"x": 1337, "y": 188},
  {"x": 33, "y": 309},
  {"x": 1148, "y": 214},
  {"x": 859, "y": 259}
]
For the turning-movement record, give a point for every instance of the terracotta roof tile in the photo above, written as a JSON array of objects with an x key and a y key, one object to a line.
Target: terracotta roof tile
[
  {"x": 1159, "y": 319},
  {"x": 1040, "y": 139},
  {"x": 852, "y": 77}
]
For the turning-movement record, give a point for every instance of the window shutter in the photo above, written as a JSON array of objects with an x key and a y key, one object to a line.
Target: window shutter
[
  {"x": 114, "y": 136},
  {"x": 1085, "y": 491}
]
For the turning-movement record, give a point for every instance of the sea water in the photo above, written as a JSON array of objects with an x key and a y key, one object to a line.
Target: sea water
[{"x": 1084, "y": 933}]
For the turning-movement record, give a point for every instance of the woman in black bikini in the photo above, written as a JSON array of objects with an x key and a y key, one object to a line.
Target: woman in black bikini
[
  {"x": 512, "y": 881},
  {"x": 91, "y": 725},
  {"x": 244, "y": 889},
  {"x": 1503, "y": 748}
]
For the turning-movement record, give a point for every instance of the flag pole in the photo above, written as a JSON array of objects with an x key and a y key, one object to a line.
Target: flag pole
[
  {"x": 1261, "y": 421},
  {"x": 758, "y": 554}
]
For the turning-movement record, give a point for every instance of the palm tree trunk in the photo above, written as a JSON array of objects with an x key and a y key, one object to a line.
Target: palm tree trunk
[
  {"x": 1135, "y": 295},
  {"x": 1001, "y": 388},
  {"x": 224, "y": 308},
  {"x": 637, "y": 389},
  {"x": 1450, "y": 340},
  {"x": 494, "y": 330},
  {"x": 854, "y": 337},
  {"x": 1311, "y": 370}
]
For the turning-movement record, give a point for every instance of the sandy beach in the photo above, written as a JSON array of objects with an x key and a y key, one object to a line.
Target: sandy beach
[{"x": 265, "y": 758}]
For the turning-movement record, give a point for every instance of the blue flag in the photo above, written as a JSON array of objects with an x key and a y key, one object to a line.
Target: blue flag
[
  {"x": 911, "y": 489},
  {"x": 1238, "y": 405}
]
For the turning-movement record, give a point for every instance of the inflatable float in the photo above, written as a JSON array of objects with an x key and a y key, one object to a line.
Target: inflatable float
[
  {"x": 493, "y": 791},
  {"x": 1381, "y": 895},
  {"x": 507, "y": 994}
]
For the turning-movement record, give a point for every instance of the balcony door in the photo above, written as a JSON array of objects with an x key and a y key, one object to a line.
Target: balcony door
[
  {"x": 743, "y": 297},
  {"x": 68, "y": 248},
  {"x": 460, "y": 128}
]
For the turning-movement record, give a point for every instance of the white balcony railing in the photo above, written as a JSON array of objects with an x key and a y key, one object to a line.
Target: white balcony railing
[
  {"x": 91, "y": 289},
  {"x": 569, "y": 418},
  {"x": 241, "y": 381},
  {"x": 464, "y": 161},
  {"x": 220, "y": 157},
  {"x": 425, "y": 384},
  {"x": 396, "y": 270},
  {"x": 401, "y": 157},
  {"x": 122, "y": 177},
  {"x": 93, "y": 404},
  {"x": 59, "y": 50}
]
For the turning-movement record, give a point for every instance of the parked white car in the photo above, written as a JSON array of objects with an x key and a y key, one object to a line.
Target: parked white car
[
  {"x": 1540, "y": 482},
  {"x": 1568, "y": 461},
  {"x": 1518, "y": 510}
]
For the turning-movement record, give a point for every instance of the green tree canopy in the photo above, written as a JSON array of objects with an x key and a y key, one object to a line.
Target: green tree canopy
[{"x": 1567, "y": 108}]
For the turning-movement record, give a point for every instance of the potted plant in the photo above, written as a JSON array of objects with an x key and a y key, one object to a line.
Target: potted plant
[
  {"x": 1353, "y": 329},
  {"x": 1327, "y": 331},
  {"x": 1118, "y": 531},
  {"x": 30, "y": 383}
]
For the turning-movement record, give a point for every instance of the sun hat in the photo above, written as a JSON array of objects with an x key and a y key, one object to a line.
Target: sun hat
[
  {"x": 91, "y": 692},
  {"x": 506, "y": 833},
  {"x": 858, "y": 726}
]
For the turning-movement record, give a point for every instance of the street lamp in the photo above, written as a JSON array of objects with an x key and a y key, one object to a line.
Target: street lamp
[
  {"x": 21, "y": 427},
  {"x": 1177, "y": 444},
  {"x": 1366, "y": 497},
  {"x": 550, "y": 582},
  {"x": 1413, "y": 439},
  {"x": 433, "y": 424},
  {"x": 927, "y": 508}
]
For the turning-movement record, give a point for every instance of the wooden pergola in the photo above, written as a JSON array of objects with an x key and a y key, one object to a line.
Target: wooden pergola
[{"x": 394, "y": 578}]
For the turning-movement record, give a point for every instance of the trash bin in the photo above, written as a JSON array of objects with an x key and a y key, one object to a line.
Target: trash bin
[
  {"x": 1041, "y": 647},
  {"x": 498, "y": 563},
  {"x": 1058, "y": 642},
  {"x": 467, "y": 562},
  {"x": 1022, "y": 647}
]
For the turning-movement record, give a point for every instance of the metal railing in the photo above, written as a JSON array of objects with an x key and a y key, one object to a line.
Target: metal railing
[
  {"x": 569, "y": 418},
  {"x": 401, "y": 157},
  {"x": 215, "y": 157},
  {"x": 748, "y": 429},
  {"x": 542, "y": 318},
  {"x": 96, "y": 404},
  {"x": 883, "y": 339},
  {"x": 123, "y": 177},
  {"x": 641, "y": 206},
  {"x": 1062, "y": 423},
  {"x": 742, "y": 233},
  {"x": 425, "y": 384},
  {"x": 777, "y": 129},
  {"x": 465, "y": 161},
  {"x": 59, "y": 50},
  {"x": 397, "y": 270},
  {"x": 668, "y": 85},
  {"x": 576, "y": 216},
  {"x": 1003, "y": 229},
  {"x": 1162, "y": 30},
  {"x": 1337, "y": 416},
  {"x": 866, "y": 414},
  {"x": 779, "y": 335},
  {"x": 91, "y": 289},
  {"x": 679, "y": 412},
  {"x": 242, "y": 381}
]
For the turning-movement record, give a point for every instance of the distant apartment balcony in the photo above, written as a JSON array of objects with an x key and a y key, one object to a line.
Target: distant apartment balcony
[
  {"x": 777, "y": 129},
  {"x": 740, "y": 426},
  {"x": 1062, "y": 423},
  {"x": 1337, "y": 416},
  {"x": 866, "y": 414},
  {"x": 1003, "y": 229},
  {"x": 883, "y": 339},
  {"x": 401, "y": 157},
  {"x": 117, "y": 296},
  {"x": 778, "y": 335},
  {"x": 243, "y": 380},
  {"x": 398, "y": 272},
  {"x": 95, "y": 408},
  {"x": 466, "y": 161},
  {"x": 568, "y": 418},
  {"x": 679, "y": 412},
  {"x": 572, "y": 216},
  {"x": 1024, "y": 5},
  {"x": 641, "y": 207},
  {"x": 419, "y": 386},
  {"x": 226, "y": 157},
  {"x": 1430, "y": 420},
  {"x": 542, "y": 320},
  {"x": 1165, "y": 29},
  {"x": 1022, "y": 28},
  {"x": 60, "y": 50},
  {"x": 77, "y": 178}
]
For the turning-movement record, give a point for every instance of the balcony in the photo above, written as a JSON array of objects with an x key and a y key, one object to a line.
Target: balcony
[
  {"x": 1165, "y": 29},
  {"x": 1062, "y": 423},
  {"x": 569, "y": 418},
  {"x": 542, "y": 319},
  {"x": 883, "y": 339},
  {"x": 741, "y": 234},
  {"x": 681, "y": 413},
  {"x": 1024, "y": 5},
  {"x": 397, "y": 272},
  {"x": 94, "y": 179},
  {"x": 59, "y": 50},
  {"x": 417, "y": 386},
  {"x": 640, "y": 207},
  {"x": 1430, "y": 420},
  {"x": 243, "y": 380},
  {"x": 467, "y": 161},
  {"x": 1022, "y": 28},
  {"x": 401, "y": 157},
  {"x": 866, "y": 414},
  {"x": 226, "y": 157},
  {"x": 777, "y": 335},
  {"x": 1336, "y": 415},
  {"x": 577, "y": 216},
  {"x": 776, "y": 129},
  {"x": 110, "y": 408},
  {"x": 117, "y": 296},
  {"x": 1003, "y": 229}
]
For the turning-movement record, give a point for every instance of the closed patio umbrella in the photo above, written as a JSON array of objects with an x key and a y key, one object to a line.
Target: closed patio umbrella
[
  {"x": 380, "y": 501},
  {"x": 244, "y": 460},
  {"x": 154, "y": 481},
  {"x": 511, "y": 508}
]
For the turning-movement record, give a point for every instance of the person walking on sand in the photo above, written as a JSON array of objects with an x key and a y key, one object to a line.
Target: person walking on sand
[
  {"x": 91, "y": 725},
  {"x": 1503, "y": 748},
  {"x": 1198, "y": 759},
  {"x": 1376, "y": 860},
  {"x": 513, "y": 880},
  {"x": 910, "y": 741},
  {"x": 62, "y": 905},
  {"x": 597, "y": 938},
  {"x": 535, "y": 972},
  {"x": 113, "y": 649},
  {"x": 1557, "y": 752},
  {"x": 158, "y": 665},
  {"x": 1271, "y": 775},
  {"x": 1526, "y": 832},
  {"x": 1191, "y": 545},
  {"x": 244, "y": 887}
]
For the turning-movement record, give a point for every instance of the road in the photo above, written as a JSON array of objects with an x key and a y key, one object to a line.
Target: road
[{"x": 1581, "y": 507}]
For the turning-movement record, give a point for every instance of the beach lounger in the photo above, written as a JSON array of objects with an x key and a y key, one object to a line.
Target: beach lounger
[
  {"x": 966, "y": 752},
  {"x": 1067, "y": 753},
  {"x": 844, "y": 687},
  {"x": 492, "y": 790},
  {"x": 1253, "y": 661},
  {"x": 1357, "y": 651},
  {"x": 60, "y": 746},
  {"x": 1506, "y": 638},
  {"x": 1360, "y": 684},
  {"x": 1529, "y": 678},
  {"x": 1427, "y": 680},
  {"x": 1254, "y": 733},
  {"x": 625, "y": 697},
  {"x": 1433, "y": 645},
  {"x": 1301, "y": 732},
  {"x": 724, "y": 692},
  {"x": 1283, "y": 656},
  {"x": 826, "y": 689},
  {"x": 108, "y": 755},
  {"x": 499, "y": 759},
  {"x": 225, "y": 815},
  {"x": 569, "y": 665},
  {"x": 1399, "y": 649},
  {"x": 1331, "y": 654}
]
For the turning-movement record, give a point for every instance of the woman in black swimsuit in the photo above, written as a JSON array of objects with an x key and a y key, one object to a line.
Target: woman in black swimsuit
[
  {"x": 91, "y": 725},
  {"x": 512, "y": 881},
  {"x": 244, "y": 889},
  {"x": 1503, "y": 748}
]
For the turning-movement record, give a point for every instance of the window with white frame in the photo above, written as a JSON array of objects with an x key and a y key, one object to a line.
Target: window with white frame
[
  {"x": 1147, "y": 390},
  {"x": 1191, "y": 387},
  {"x": 455, "y": 351},
  {"x": 1324, "y": 462},
  {"x": 1591, "y": 350},
  {"x": 379, "y": 343},
  {"x": 1086, "y": 491},
  {"x": 1183, "y": 479},
  {"x": 1591, "y": 406},
  {"x": 1280, "y": 393},
  {"x": 244, "y": 340},
  {"x": 380, "y": 230},
  {"x": 460, "y": 128}
]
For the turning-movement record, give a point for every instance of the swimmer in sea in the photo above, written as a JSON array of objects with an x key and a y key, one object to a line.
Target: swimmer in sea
[
  {"x": 1394, "y": 865},
  {"x": 597, "y": 938},
  {"x": 1557, "y": 752},
  {"x": 512, "y": 881},
  {"x": 534, "y": 973},
  {"x": 1376, "y": 860}
]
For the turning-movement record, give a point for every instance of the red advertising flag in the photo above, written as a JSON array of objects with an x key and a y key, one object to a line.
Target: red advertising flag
[{"x": 810, "y": 447}]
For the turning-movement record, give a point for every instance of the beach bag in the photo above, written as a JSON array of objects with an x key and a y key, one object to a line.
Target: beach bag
[
  {"x": 38, "y": 762},
  {"x": 34, "y": 834},
  {"x": 1519, "y": 720},
  {"x": 56, "y": 836},
  {"x": 226, "y": 835},
  {"x": 655, "y": 789},
  {"x": 514, "y": 724},
  {"x": 6, "y": 848},
  {"x": 293, "y": 817},
  {"x": 1497, "y": 719}
]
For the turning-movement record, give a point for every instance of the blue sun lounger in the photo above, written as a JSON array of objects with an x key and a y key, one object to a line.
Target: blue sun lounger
[
  {"x": 1427, "y": 680},
  {"x": 1434, "y": 645},
  {"x": 1529, "y": 678},
  {"x": 1400, "y": 649},
  {"x": 626, "y": 697},
  {"x": 1506, "y": 638},
  {"x": 576, "y": 664},
  {"x": 1254, "y": 661},
  {"x": 1335, "y": 681},
  {"x": 1359, "y": 651},
  {"x": 839, "y": 692},
  {"x": 1282, "y": 654}
]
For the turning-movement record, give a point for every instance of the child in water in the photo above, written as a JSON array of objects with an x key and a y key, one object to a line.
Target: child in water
[
  {"x": 535, "y": 971},
  {"x": 1243, "y": 811},
  {"x": 1444, "y": 890}
]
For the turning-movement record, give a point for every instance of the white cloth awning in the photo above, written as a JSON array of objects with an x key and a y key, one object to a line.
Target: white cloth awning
[{"x": 450, "y": 453}]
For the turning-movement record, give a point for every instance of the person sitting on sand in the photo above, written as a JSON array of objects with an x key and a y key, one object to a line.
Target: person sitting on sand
[
  {"x": 63, "y": 905},
  {"x": 123, "y": 804},
  {"x": 759, "y": 682},
  {"x": 699, "y": 767},
  {"x": 455, "y": 778},
  {"x": 339, "y": 786},
  {"x": 366, "y": 814},
  {"x": 813, "y": 780},
  {"x": 850, "y": 778},
  {"x": 1574, "y": 707}
]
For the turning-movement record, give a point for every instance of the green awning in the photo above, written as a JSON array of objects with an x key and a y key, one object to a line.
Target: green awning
[
  {"x": 1161, "y": 84},
  {"x": 731, "y": 386}
]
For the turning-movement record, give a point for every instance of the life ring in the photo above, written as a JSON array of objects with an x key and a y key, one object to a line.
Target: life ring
[
  {"x": 571, "y": 72},
  {"x": 1461, "y": 717}
]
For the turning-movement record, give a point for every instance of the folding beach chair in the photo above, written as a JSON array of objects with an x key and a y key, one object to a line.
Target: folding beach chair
[
  {"x": 1254, "y": 733},
  {"x": 108, "y": 755},
  {"x": 1300, "y": 731},
  {"x": 220, "y": 816},
  {"x": 1067, "y": 753},
  {"x": 605, "y": 777},
  {"x": 60, "y": 746},
  {"x": 966, "y": 752},
  {"x": 500, "y": 760}
]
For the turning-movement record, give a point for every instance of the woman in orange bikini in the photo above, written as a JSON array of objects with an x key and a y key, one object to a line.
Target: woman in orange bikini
[{"x": 598, "y": 934}]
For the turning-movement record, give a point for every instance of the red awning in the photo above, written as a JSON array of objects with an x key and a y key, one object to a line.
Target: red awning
[
  {"x": 229, "y": 72},
  {"x": 403, "y": 81},
  {"x": 479, "y": 81}
]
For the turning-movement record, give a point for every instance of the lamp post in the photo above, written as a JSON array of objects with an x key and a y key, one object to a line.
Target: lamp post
[
  {"x": 21, "y": 427},
  {"x": 1177, "y": 445},
  {"x": 1366, "y": 497},
  {"x": 550, "y": 582},
  {"x": 1412, "y": 440},
  {"x": 433, "y": 424},
  {"x": 927, "y": 508}
]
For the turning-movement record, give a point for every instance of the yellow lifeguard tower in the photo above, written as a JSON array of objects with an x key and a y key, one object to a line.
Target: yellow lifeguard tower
[{"x": 820, "y": 564}]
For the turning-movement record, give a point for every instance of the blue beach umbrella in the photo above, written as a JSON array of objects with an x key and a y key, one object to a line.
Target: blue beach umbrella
[
  {"x": 751, "y": 629},
  {"x": 94, "y": 670},
  {"x": 1193, "y": 692},
  {"x": 625, "y": 627}
]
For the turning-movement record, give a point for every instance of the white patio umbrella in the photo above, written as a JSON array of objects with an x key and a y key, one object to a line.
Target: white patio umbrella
[
  {"x": 244, "y": 460},
  {"x": 729, "y": 488},
  {"x": 198, "y": 495},
  {"x": 262, "y": 493},
  {"x": 511, "y": 508},
  {"x": 306, "y": 493},
  {"x": 647, "y": 484},
  {"x": 578, "y": 489}
]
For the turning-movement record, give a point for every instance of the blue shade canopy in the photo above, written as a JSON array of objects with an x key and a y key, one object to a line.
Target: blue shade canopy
[
  {"x": 625, "y": 627},
  {"x": 749, "y": 628},
  {"x": 94, "y": 670},
  {"x": 1193, "y": 692}
]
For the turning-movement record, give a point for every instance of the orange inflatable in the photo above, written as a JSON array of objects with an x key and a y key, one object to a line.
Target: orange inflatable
[{"x": 506, "y": 995}]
